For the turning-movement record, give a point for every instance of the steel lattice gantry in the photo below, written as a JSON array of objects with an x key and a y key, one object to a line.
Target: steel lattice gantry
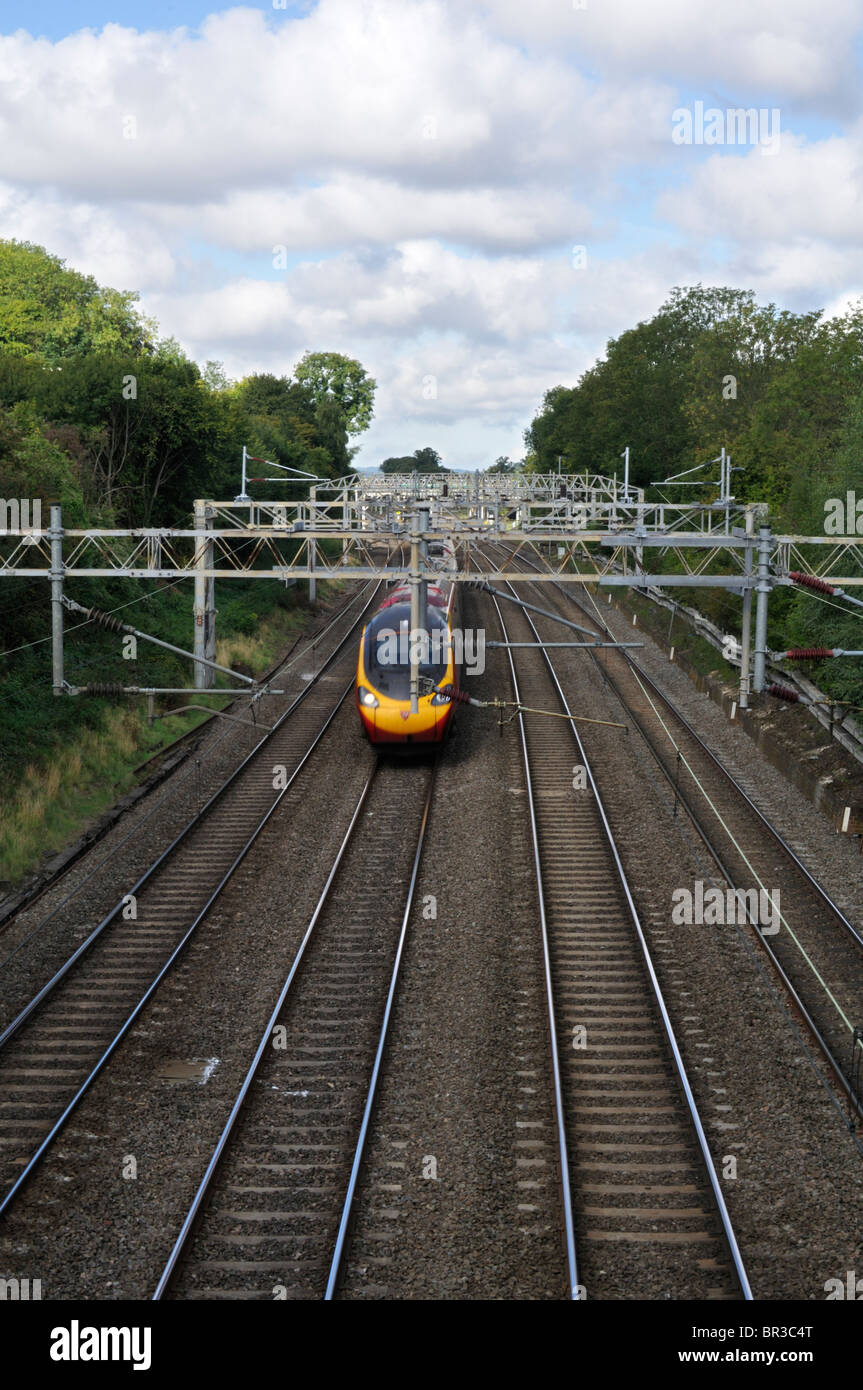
[{"x": 574, "y": 529}]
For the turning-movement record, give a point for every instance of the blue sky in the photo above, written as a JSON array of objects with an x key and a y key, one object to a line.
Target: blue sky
[
  {"x": 62, "y": 17},
  {"x": 408, "y": 181}
]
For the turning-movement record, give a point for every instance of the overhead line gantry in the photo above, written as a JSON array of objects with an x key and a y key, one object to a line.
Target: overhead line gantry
[{"x": 572, "y": 528}]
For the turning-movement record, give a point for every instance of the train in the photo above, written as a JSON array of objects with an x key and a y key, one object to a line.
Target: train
[{"x": 383, "y": 672}]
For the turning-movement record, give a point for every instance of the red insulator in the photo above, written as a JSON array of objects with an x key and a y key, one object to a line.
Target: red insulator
[
  {"x": 783, "y": 692},
  {"x": 457, "y": 697},
  {"x": 810, "y": 582},
  {"x": 810, "y": 653}
]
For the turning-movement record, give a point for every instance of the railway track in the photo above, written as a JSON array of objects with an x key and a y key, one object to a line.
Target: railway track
[
  {"x": 814, "y": 950},
  {"x": 272, "y": 1213},
  {"x": 644, "y": 1213},
  {"x": 196, "y": 783},
  {"x": 56, "y": 1045}
]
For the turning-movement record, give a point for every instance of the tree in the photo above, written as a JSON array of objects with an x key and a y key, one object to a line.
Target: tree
[
  {"x": 659, "y": 388},
  {"x": 33, "y": 464},
  {"x": 428, "y": 461},
  {"x": 425, "y": 460},
  {"x": 215, "y": 376},
  {"x": 504, "y": 464},
  {"x": 50, "y": 312},
  {"x": 279, "y": 419},
  {"x": 345, "y": 380},
  {"x": 332, "y": 435},
  {"x": 399, "y": 463},
  {"x": 715, "y": 368}
]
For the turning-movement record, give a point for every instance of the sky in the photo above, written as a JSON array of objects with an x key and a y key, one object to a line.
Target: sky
[{"x": 470, "y": 196}]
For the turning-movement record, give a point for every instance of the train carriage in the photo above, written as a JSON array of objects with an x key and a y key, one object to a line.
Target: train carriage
[{"x": 383, "y": 672}]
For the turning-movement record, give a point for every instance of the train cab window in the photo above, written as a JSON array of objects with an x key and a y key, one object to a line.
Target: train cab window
[{"x": 386, "y": 650}]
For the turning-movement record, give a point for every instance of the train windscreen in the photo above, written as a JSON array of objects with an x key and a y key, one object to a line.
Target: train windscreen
[{"x": 386, "y": 653}]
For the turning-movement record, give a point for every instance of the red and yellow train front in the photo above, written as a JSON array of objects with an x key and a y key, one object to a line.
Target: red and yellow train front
[{"x": 383, "y": 678}]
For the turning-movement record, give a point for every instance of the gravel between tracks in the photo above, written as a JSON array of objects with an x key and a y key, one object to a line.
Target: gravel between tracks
[
  {"x": 119, "y": 1229},
  {"x": 795, "y": 1201},
  {"x": 466, "y": 1076},
  {"x": 134, "y": 843},
  {"x": 466, "y": 1090}
]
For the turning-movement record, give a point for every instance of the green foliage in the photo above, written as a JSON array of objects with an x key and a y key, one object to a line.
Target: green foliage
[
  {"x": 783, "y": 392},
  {"x": 119, "y": 425},
  {"x": 344, "y": 381},
  {"x": 286, "y": 424},
  {"x": 51, "y": 313},
  {"x": 123, "y": 427},
  {"x": 425, "y": 460},
  {"x": 713, "y": 367},
  {"x": 33, "y": 465}
]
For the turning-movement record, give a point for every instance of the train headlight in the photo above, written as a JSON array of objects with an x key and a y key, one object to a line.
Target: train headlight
[
  {"x": 368, "y": 698},
  {"x": 440, "y": 698}
]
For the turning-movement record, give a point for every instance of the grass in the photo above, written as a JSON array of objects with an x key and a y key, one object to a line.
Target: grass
[
  {"x": 57, "y": 797},
  {"x": 258, "y": 650},
  {"x": 64, "y": 762}
]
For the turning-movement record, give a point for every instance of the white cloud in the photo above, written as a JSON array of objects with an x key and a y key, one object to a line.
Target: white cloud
[
  {"x": 415, "y": 90},
  {"x": 94, "y": 239},
  {"x": 805, "y": 190},
  {"x": 351, "y": 208},
  {"x": 429, "y": 166},
  {"x": 795, "y": 49},
  {"x": 787, "y": 226}
]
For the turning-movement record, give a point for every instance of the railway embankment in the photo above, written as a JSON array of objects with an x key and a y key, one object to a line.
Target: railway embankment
[{"x": 787, "y": 734}]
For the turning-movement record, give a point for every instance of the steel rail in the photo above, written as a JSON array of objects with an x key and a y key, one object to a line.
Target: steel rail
[
  {"x": 562, "y": 1147},
  {"x": 288, "y": 659},
  {"x": 696, "y": 737},
  {"x": 836, "y": 1068},
  {"x": 171, "y": 849},
  {"x": 194, "y": 1211},
  {"x": 768, "y": 825},
  {"x": 29, "y": 897},
  {"x": 335, "y": 1266},
  {"x": 793, "y": 993},
  {"x": 46, "y": 1143},
  {"x": 679, "y": 1065},
  {"x": 708, "y": 841}
]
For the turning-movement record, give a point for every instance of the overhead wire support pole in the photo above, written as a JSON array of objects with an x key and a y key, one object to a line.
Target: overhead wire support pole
[
  {"x": 300, "y": 474},
  {"x": 310, "y": 550},
  {"x": 746, "y": 632},
  {"x": 204, "y": 609},
  {"x": 57, "y": 573},
  {"x": 244, "y": 496},
  {"x": 762, "y": 591},
  {"x": 419, "y": 600}
]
